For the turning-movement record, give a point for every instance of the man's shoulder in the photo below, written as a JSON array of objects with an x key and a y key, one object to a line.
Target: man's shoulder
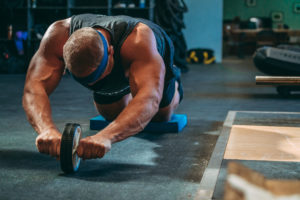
[
  {"x": 58, "y": 31},
  {"x": 142, "y": 28},
  {"x": 60, "y": 26},
  {"x": 139, "y": 35},
  {"x": 55, "y": 37},
  {"x": 140, "y": 44}
]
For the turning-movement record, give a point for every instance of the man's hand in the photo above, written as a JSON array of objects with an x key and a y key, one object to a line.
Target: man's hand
[
  {"x": 93, "y": 147},
  {"x": 48, "y": 142}
]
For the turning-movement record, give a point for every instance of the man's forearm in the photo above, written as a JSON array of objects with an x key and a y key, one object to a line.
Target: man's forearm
[
  {"x": 132, "y": 119},
  {"x": 38, "y": 111}
]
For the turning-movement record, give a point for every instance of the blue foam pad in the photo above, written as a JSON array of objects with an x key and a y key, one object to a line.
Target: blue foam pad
[{"x": 175, "y": 125}]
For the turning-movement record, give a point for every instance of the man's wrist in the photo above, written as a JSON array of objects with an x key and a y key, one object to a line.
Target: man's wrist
[
  {"x": 48, "y": 130},
  {"x": 105, "y": 141},
  {"x": 103, "y": 137}
]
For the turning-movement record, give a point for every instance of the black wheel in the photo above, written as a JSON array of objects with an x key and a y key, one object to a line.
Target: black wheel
[
  {"x": 284, "y": 91},
  {"x": 69, "y": 160}
]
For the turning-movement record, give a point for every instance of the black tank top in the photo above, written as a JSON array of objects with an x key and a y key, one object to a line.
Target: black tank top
[{"x": 119, "y": 28}]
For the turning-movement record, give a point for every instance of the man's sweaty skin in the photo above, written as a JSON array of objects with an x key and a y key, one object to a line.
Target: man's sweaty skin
[{"x": 142, "y": 65}]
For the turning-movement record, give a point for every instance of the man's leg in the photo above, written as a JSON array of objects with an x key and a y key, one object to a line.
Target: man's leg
[
  {"x": 165, "y": 113},
  {"x": 111, "y": 111}
]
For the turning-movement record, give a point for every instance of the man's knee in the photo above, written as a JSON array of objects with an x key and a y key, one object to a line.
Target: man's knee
[
  {"x": 111, "y": 111},
  {"x": 163, "y": 115}
]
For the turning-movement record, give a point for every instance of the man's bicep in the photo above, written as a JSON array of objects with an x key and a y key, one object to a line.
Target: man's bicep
[
  {"x": 147, "y": 69},
  {"x": 147, "y": 75},
  {"x": 44, "y": 71},
  {"x": 47, "y": 66}
]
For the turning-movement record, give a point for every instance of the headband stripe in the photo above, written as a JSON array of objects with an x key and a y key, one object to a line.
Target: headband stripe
[{"x": 100, "y": 69}]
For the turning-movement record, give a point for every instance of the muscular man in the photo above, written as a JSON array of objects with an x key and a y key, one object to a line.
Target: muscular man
[{"x": 126, "y": 62}]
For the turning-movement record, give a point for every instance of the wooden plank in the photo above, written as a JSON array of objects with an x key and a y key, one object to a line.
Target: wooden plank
[
  {"x": 244, "y": 182},
  {"x": 266, "y": 143},
  {"x": 277, "y": 80},
  {"x": 209, "y": 179}
]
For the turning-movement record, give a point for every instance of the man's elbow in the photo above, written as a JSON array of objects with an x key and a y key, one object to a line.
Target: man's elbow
[
  {"x": 150, "y": 102},
  {"x": 155, "y": 101},
  {"x": 31, "y": 91},
  {"x": 25, "y": 98}
]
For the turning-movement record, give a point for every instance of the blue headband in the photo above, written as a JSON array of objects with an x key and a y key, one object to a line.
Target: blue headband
[{"x": 100, "y": 69}]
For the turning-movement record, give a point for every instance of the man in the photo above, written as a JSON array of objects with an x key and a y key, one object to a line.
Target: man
[{"x": 127, "y": 62}]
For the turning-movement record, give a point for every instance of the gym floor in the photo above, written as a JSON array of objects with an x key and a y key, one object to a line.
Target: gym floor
[{"x": 146, "y": 166}]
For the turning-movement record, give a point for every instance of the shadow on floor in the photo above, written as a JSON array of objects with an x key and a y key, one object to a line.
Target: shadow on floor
[
  {"x": 91, "y": 170},
  {"x": 23, "y": 159},
  {"x": 114, "y": 172},
  {"x": 173, "y": 159}
]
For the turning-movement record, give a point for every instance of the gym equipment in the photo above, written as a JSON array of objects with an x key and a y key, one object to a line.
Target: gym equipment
[
  {"x": 283, "y": 60},
  {"x": 197, "y": 55},
  {"x": 284, "y": 84},
  {"x": 69, "y": 160},
  {"x": 277, "y": 80},
  {"x": 283, "y": 64},
  {"x": 169, "y": 16},
  {"x": 175, "y": 125}
]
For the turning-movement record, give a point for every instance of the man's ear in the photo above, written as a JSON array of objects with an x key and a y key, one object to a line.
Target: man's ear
[{"x": 111, "y": 50}]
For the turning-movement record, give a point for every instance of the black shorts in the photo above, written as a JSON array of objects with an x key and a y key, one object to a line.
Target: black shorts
[
  {"x": 168, "y": 92},
  {"x": 169, "y": 89}
]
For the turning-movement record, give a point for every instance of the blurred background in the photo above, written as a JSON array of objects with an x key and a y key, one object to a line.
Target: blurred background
[{"x": 216, "y": 29}]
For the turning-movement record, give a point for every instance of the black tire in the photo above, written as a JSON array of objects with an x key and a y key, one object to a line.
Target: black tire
[{"x": 69, "y": 161}]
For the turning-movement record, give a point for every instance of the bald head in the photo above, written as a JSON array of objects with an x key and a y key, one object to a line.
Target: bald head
[{"x": 83, "y": 51}]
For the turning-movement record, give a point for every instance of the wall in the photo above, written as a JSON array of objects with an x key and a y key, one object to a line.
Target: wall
[
  {"x": 263, "y": 8},
  {"x": 204, "y": 25}
]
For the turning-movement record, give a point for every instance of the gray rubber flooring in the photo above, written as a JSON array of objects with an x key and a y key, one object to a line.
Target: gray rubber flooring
[{"x": 146, "y": 166}]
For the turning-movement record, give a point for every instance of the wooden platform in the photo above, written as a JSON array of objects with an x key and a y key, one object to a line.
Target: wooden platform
[{"x": 268, "y": 142}]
